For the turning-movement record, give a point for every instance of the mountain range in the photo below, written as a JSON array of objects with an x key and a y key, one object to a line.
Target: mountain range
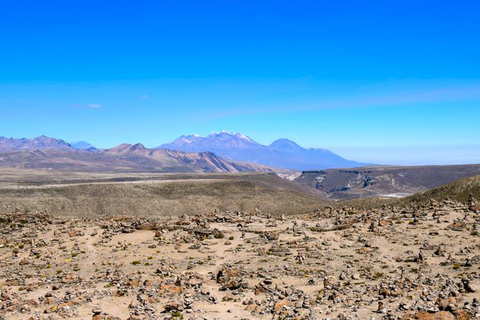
[
  {"x": 38, "y": 143},
  {"x": 282, "y": 153},
  {"x": 50, "y": 153},
  {"x": 233, "y": 153}
]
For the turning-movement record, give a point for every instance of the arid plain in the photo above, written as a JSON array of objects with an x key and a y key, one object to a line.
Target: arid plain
[{"x": 237, "y": 246}]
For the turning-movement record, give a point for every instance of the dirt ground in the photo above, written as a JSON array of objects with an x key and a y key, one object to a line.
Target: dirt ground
[{"x": 390, "y": 263}]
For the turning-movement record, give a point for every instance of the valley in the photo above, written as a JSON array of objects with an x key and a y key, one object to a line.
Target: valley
[{"x": 383, "y": 181}]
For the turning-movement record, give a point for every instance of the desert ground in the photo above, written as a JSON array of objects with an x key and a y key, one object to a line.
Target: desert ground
[
  {"x": 80, "y": 194},
  {"x": 399, "y": 260}
]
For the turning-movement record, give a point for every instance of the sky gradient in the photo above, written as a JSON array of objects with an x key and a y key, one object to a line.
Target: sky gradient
[{"x": 394, "y": 82}]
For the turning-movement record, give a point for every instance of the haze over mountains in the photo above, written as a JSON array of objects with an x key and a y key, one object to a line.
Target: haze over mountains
[
  {"x": 41, "y": 142},
  {"x": 82, "y": 145},
  {"x": 49, "y": 153},
  {"x": 38, "y": 143},
  {"x": 225, "y": 152},
  {"x": 282, "y": 153}
]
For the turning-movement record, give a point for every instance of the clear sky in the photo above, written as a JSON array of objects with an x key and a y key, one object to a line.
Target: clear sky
[{"x": 379, "y": 81}]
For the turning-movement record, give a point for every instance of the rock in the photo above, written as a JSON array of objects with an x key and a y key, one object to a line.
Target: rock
[
  {"x": 96, "y": 310},
  {"x": 281, "y": 305},
  {"x": 442, "y": 315}
]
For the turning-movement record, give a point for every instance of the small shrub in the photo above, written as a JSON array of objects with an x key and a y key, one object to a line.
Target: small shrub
[
  {"x": 176, "y": 315},
  {"x": 378, "y": 275}
]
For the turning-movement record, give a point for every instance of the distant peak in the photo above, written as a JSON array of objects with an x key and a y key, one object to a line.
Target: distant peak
[
  {"x": 187, "y": 138},
  {"x": 126, "y": 147},
  {"x": 285, "y": 144},
  {"x": 82, "y": 145},
  {"x": 36, "y": 143},
  {"x": 190, "y": 135},
  {"x": 214, "y": 133},
  {"x": 284, "y": 140},
  {"x": 232, "y": 134},
  {"x": 241, "y": 135},
  {"x": 138, "y": 146},
  {"x": 121, "y": 146},
  {"x": 44, "y": 137}
]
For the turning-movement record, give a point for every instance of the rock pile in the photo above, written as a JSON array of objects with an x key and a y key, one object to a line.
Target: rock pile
[{"x": 389, "y": 263}]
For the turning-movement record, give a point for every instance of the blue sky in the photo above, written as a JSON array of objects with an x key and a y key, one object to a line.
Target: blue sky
[{"x": 379, "y": 81}]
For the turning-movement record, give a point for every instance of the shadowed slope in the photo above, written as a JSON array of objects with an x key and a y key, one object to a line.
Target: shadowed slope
[
  {"x": 459, "y": 191},
  {"x": 385, "y": 181}
]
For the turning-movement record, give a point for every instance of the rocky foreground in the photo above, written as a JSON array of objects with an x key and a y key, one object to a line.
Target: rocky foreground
[{"x": 390, "y": 263}]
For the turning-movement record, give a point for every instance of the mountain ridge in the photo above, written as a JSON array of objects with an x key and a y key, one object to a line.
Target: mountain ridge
[
  {"x": 36, "y": 143},
  {"x": 41, "y": 142},
  {"x": 50, "y": 153},
  {"x": 282, "y": 153}
]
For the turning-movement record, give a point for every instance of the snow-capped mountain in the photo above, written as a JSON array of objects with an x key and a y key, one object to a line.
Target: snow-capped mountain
[
  {"x": 50, "y": 153},
  {"x": 215, "y": 139},
  {"x": 282, "y": 153}
]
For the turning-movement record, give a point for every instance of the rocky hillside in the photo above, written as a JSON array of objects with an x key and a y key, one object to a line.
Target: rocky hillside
[
  {"x": 198, "y": 161},
  {"x": 383, "y": 181},
  {"x": 461, "y": 190}
]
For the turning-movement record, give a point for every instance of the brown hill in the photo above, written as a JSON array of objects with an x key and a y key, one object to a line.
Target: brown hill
[
  {"x": 459, "y": 190},
  {"x": 125, "y": 158},
  {"x": 199, "y": 161},
  {"x": 160, "y": 195}
]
